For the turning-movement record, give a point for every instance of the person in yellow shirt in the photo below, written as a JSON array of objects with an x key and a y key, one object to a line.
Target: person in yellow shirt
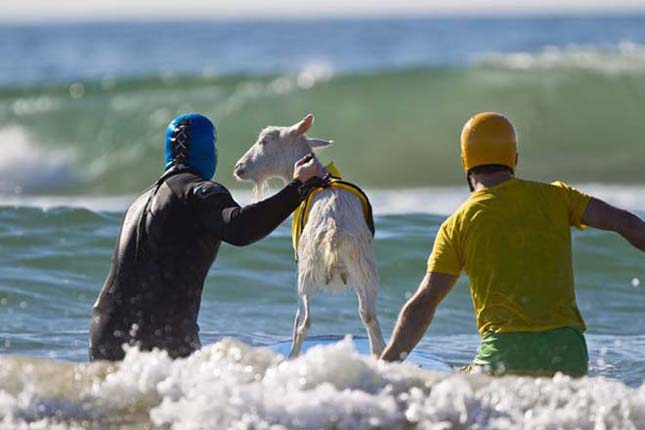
[{"x": 512, "y": 237}]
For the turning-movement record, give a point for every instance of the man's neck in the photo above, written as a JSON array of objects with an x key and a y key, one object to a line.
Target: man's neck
[{"x": 482, "y": 181}]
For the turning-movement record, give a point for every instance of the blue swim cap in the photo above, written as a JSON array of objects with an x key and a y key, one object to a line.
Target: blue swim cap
[{"x": 190, "y": 140}]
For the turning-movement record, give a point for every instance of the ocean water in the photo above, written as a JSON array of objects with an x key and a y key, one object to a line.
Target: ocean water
[
  {"x": 83, "y": 108},
  {"x": 54, "y": 261}
]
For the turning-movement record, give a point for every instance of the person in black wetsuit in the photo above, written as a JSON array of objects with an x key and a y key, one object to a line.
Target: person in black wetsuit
[{"x": 169, "y": 239}]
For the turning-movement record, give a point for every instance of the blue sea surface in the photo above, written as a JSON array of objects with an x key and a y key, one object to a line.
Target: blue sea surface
[
  {"x": 64, "y": 52},
  {"x": 54, "y": 263}
]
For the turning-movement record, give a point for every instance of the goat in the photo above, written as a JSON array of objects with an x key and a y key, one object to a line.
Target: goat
[{"x": 336, "y": 248}]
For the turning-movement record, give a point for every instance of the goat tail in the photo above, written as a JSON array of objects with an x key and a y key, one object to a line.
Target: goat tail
[{"x": 332, "y": 245}]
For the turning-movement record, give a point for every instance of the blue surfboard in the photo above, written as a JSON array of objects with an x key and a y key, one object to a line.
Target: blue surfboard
[{"x": 422, "y": 359}]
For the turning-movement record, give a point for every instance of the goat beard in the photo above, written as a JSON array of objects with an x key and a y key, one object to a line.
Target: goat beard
[
  {"x": 261, "y": 189},
  {"x": 258, "y": 190},
  {"x": 267, "y": 185}
]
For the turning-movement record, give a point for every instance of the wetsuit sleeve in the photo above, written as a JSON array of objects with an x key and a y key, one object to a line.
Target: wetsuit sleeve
[
  {"x": 240, "y": 226},
  {"x": 445, "y": 257},
  {"x": 576, "y": 204}
]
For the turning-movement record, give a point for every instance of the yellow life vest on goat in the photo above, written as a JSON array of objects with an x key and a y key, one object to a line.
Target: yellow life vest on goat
[{"x": 301, "y": 214}]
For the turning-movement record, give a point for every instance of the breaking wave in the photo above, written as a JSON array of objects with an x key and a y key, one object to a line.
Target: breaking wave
[
  {"x": 626, "y": 57},
  {"x": 577, "y": 110},
  {"x": 27, "y": 167},
  {"x": 230, "y": 385}
]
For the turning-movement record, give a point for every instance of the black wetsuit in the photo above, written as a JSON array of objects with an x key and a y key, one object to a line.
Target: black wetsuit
[{"x": 168, "y": 241}]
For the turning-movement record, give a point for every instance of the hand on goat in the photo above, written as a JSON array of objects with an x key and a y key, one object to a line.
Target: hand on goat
[{"x": 308, "y": 167}]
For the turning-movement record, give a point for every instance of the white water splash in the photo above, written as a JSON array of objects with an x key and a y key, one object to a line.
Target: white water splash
[
  {"x": 230, "y": 385},
  {"x": 26, "y": 167}
]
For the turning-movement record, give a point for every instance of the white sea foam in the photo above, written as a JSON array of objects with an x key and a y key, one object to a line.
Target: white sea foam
[
  {"x": 625, "y": 57},
  {"x": 25, "y": 166},
  {"x": 445, "y": 200},
  {"x": 431, "y": 200},
  {"x": 230, "y": 385}
]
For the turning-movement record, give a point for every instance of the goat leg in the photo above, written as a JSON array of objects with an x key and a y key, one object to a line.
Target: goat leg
[
  {"x": 300, "y": 327},
  {"x": 367, "y": 310}
]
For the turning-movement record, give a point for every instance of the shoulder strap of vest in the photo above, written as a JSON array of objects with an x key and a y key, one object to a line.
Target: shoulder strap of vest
[{"x": 365, "y": 201}]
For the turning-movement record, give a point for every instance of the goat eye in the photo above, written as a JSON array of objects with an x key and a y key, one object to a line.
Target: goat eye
[{"x": 263, "y": 142}]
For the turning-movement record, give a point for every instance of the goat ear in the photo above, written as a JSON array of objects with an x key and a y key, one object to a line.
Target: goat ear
[
  {"x": 303, "y": 126},
  {"x": 319, "y": 143}
]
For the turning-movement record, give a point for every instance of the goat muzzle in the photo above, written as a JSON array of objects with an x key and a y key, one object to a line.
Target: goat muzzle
[{"x": 239, "y": 170}]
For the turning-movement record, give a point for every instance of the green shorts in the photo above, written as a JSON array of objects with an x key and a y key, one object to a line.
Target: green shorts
[{"x": 533, "y": 353}]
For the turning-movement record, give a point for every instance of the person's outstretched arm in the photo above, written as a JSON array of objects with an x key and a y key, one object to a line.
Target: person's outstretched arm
[
  {"x": 242, "y": 226},
  {"x": 417, "y": 313},
  {"x": 604, "y": 216}
]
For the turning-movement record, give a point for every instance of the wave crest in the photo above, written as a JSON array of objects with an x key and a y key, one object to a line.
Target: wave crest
[
  {"x": 626, "y": 57},
  {"x": 26, "y": 167}
]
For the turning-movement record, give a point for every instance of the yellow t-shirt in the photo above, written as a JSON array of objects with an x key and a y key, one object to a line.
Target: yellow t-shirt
[{"x": 514, "y": 242}]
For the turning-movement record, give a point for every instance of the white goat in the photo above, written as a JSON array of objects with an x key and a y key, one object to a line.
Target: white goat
[{"x": 336, "y": 248}]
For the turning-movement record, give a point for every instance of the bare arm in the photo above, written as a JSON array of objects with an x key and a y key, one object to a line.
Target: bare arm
[
  {"x": 416, "y": 315},
  {"x": 604, "y": 216}
]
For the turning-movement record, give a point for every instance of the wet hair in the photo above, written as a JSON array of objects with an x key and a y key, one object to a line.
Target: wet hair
[{"x": 486, "y": 169}]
